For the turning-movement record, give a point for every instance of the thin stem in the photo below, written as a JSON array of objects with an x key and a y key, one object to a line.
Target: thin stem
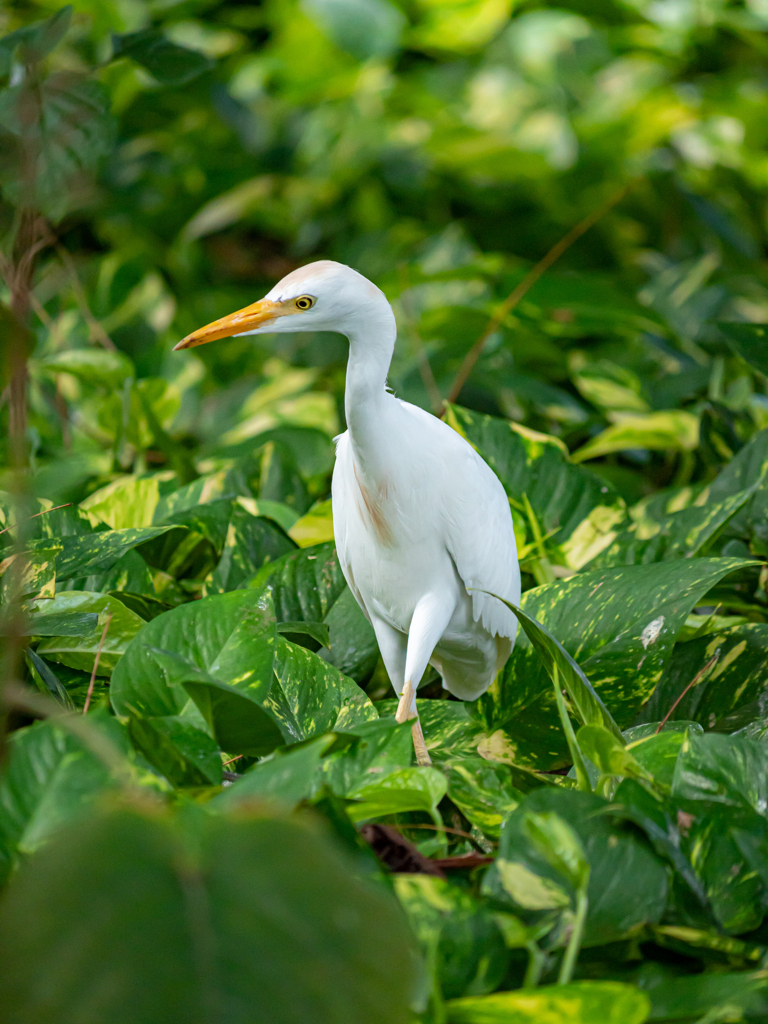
[
  {"x": 530, "y": 279},
  {"x": 574, "y": 943},
  {"x": 582, "y": 775},
  {"x": 536, "y": 960},
  {"x": 96, "y": 665},
  {"x": 696, "y": 679}
]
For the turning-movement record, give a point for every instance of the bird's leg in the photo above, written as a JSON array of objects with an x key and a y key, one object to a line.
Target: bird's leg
[
  {"x": 405, "y": 708},
  {"x": 419, "y": 746},
  {"x": 405, "y": 712}
]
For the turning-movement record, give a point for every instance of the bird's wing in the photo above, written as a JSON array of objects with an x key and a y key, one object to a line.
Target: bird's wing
[{"x": 481, "y": 540}]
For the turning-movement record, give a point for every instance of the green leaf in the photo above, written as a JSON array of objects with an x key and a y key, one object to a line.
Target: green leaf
[
  {"x": 682, "y": 534},
  {"x": 750, "y": 341},
  {"x": 366, "y": 752},
  {"x": 310, "y": 697},
  {"x": 728, "y": 691},
  {"x": 46, "y": 679},
  {"x": 730, "y": 771},
  {"x": 618, "y": 624},
  {"x": 680, "y": 998},
  {"x": 62, "y": 624},
  {"x": 364, "y": 28},
  {"x": 96, "y": 552},
  {"x": 583, "y": 1002},
  {"x": 305, "y": 584},
  {"x": 49, "y": 779},
  {"x": 563, "y": 669},
  {"x": 353, "y": 646},
  {"x": 186, "y": 756},
  {"x": 73, "y": 131},
  {"x": 627, "y": 881},
  {"x": 250, "y": 543},
  {"x": 568, "y": 501},
  {"x": 483, "y": 792},
  {"x": 78, "y": 650},
  {"x": 211, "y": 520},
  {"x": 213, "y": 912},
  {"x": 287, "y": 776},
  {"x": 720, "y": 844},
  {"x": 236, "y": 720},
  {"x": 315, "y": 526},
  {"x": 128, "y": 502},
  {"x": 408, "y": 789},
  {"x": 674, "y": 430},
  {"x": 229, "y": 636},
  {"x": 559, "y": 845},
  {"x": 609, "y": 754},
  {"x": 657, "y": 817},
  {"x": 658, "y": 753},
  {"x": 36, "y": 40},
  {"x": 317, "y": 631},
  {"x": 102, "y": 367},
  {"x": 167, "y": 62},
  {"x": 459, "y": 936}
]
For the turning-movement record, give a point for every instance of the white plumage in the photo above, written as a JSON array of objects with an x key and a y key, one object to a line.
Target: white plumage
[{"x": 422, "y": 524}]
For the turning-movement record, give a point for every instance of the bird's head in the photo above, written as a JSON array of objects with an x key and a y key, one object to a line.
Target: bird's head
[{"x": 323, "y": 296}]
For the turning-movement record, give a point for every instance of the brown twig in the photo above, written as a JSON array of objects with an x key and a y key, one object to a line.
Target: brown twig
[
  {"x": 95, "y": 329},
  {"x": 43, "y": 513},
  {"x": 520, "y": 290},
  {"x": 235, "y": 758},
  {"x": 696, "y": 679},
  {"x": 444, "y": 828},
  {"x": 96, "y": 665}
]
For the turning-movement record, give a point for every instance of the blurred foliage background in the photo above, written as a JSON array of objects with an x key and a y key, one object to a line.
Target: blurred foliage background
[
  {"x": 196, "y": 151},
  {"x": 439, "y": 146}
]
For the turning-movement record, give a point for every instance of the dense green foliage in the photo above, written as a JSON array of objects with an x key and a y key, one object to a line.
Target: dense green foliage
[{"x": 227, "y": 833}]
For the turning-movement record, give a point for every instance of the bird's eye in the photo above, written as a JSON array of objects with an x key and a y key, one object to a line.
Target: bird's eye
[{"x": 304, "y": 302}]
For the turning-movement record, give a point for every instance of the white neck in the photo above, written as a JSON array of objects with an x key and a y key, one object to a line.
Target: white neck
[{"x": 366, "y": 401}]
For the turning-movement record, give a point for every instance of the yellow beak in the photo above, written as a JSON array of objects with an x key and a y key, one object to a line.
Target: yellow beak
[{"x": 257, "y": 315}]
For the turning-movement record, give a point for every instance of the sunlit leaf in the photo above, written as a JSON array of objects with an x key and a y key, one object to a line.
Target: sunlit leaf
[{"x": 583, "y": 1002}]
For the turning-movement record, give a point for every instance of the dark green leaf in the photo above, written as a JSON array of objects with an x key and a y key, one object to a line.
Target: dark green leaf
[
  {"x": 186, "y": 756},
  {"x": 62, "y": 624},
  {"x": 317, "y": 631},
  {"x": 618, "y": 624},
  {"x": 287, "y": 776},
  {"x": 628, "y": 882},
  {"x": 310, "y": 697},
  {"x": 36, "y": 41},
  {"x": 215, "y": 914},
  {"x": 169, "y": 63},
  {"x": 305, "y": 584},
  {"x": 49, "y": 779},
  {"x": 251, "y": 542},
  {"x": 459, "y": 937},
  {"x": 750, "y": 341},
  {"x": 727, "y": 690},
  {"x": 229, "y": 636},
  {"x": 678, "y": 998}
]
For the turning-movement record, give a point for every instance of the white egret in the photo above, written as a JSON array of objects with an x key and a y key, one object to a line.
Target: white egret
[{"x": 422, "y": 525}]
